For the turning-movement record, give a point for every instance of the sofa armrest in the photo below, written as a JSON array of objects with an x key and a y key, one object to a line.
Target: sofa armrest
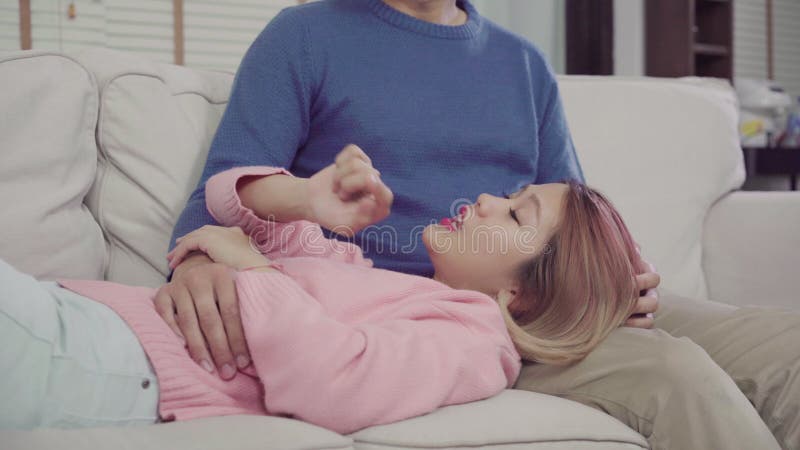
[{"x": 751, "y": 249}]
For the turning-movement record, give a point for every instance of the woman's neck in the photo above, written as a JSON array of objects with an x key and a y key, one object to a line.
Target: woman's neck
[{"x": 441, "y": 12}]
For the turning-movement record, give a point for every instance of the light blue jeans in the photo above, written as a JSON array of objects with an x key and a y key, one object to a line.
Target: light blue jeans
[{"x": 67, "y": 361}]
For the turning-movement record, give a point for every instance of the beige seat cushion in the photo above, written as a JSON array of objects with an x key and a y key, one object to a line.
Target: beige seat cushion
[
  {"x": 47, "y": 165},
  {"x": 513, "y": 419},
  {"x": 229, "y": 432}
]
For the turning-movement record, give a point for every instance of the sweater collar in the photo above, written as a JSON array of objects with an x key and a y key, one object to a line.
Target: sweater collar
[{"x": 401, "y": 20}]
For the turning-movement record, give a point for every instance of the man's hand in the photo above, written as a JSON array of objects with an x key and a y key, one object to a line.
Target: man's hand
[
  {"x": 200, "y": 305},
  {"x": 348, "y": 195},
  {"x": 647, "y": 304}
]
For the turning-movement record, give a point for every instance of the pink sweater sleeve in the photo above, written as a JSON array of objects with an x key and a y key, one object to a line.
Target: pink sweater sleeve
[
  {"x": 274, "y": 239},
  {"x": 452, "y": 349}
]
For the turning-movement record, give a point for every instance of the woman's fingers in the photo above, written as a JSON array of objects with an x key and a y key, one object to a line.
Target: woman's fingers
[
  {"x": 355, "y": 184},
  {"x": 383, "y": 197},
  {"x": 350, "y": 152},
  {"x": 187, "y": 245}
]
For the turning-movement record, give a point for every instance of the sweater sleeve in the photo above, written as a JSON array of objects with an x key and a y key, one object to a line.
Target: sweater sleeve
[
  {"x": 274, "y": 239},
  {"x": 268, "y": 113},
  {"x": 451, "y": 350},
  {"x": 558, "y": 160}
]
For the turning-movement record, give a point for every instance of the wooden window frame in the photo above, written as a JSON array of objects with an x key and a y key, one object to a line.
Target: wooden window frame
[
  {"x": 177, "y": 24},
  {"x": 25, "y": 41}
]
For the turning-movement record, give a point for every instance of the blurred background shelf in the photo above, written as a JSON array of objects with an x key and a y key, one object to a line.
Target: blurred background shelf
[{"x": 689, "y": 37}]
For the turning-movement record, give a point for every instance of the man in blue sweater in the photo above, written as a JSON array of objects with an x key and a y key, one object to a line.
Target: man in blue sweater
[{"x": 430, "y": 90}]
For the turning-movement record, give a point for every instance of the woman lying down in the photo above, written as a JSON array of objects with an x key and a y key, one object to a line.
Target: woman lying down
[{"x": 334, "y": 342}]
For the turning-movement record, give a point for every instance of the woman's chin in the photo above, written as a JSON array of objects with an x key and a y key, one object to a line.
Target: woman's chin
[{"x": 437, "y": 240}]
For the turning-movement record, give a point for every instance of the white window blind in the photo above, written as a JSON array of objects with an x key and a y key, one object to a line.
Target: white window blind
[
  {"x": 9, "y": 26},
  {"x": 52, "y": 29},
  {"x": 787, "y": 44},
  {"x": 218, "y": 33},
  {"x": 140, "y": 26},
  {"x": 750, "y": 41},
  {"x": 144, "y": 27}
]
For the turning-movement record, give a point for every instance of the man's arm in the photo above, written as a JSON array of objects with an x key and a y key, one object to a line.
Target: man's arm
[
  {"x": 557, "y": 157},
  {"x": 265, "y": 122}
]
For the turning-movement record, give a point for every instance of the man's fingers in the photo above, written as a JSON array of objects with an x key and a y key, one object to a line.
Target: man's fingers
[
  {"x": 646, "y": 305},
  {"x": 232, "y": 319},
  {"x": 166, "y": 309},
  {"x": 208, "y": 316},
  {"x": 645, "y": 322},
  {"x": 648, "y": 280},
  {"x": 187, "y": 321}
]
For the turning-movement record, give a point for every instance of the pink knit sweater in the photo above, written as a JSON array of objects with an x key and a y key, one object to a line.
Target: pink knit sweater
[{"x": 334, "y": 342}]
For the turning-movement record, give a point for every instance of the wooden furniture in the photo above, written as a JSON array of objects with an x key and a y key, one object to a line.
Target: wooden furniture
[
  {"x": 773, "y": 161},
  {"x": 590, "y": 37},
  {"x": 689, "y": 37}
]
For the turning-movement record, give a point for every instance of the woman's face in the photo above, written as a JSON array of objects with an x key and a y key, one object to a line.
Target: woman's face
[{"x": 482, "y": 248}]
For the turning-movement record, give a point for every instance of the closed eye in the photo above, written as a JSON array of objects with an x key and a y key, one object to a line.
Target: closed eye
[{"x": 511, "y": 212}]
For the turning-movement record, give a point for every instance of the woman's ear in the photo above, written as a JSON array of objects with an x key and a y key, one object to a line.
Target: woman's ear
[{"x": 506, "y": 296}]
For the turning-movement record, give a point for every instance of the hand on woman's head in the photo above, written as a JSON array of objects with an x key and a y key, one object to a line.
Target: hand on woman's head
[{"x": 584, "y": 287}]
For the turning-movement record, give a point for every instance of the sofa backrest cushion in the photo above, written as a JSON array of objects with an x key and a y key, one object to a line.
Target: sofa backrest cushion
[
  {"x": 663, "y": 150},
  {"x": 48, "y": 111},
  {"x": 155, "y": 126}
]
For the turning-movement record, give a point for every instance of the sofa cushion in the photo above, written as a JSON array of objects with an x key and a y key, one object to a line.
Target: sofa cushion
[
  {"x": 155, "y": 126},
  {"x": 47, "y": 165},
  {"x": 513, "y": 419},
  {"x": 229, "y": 432},
  {"x": 663, "y": 150}
]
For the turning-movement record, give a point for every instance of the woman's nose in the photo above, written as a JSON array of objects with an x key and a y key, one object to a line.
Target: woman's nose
[{"x": 485, "y": 204}]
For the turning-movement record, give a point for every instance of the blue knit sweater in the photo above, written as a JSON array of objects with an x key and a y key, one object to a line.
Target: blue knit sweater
[{"x": 444, "y": 112}]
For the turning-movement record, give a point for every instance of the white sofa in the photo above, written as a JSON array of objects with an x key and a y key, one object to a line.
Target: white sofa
[{"x": 99, "y": 151}]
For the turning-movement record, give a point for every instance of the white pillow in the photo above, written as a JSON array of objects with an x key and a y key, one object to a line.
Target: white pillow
[
  {"x": 663, "y": 150},
  {"x": 48, "y": 110}
]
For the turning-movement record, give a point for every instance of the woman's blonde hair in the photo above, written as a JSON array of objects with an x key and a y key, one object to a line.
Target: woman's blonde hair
[{"x": 579, "y": 288}]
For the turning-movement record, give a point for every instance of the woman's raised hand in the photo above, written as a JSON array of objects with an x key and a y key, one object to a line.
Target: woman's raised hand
[{"x": 348, "y": 195}]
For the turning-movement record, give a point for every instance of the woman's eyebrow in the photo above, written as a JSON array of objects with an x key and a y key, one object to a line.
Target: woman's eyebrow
[
  {"x": 520, "y": 191},
  {"x": 538, "y": 203}
]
